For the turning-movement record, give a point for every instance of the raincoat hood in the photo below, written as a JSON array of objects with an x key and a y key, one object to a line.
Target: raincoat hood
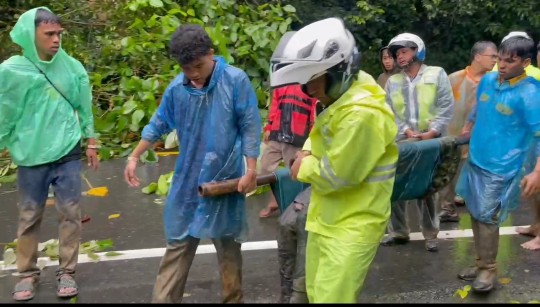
[{"x": 24, "y": 35}]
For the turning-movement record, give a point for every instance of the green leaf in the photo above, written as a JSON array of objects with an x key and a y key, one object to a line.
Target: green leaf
[
  {"x": 149, "y": 189},
  {"x": 191, "y": 12},
  {"x": 289, "y": 8},
  {"x": 104, "y": 244},
  {"x": 112, "y": 254},
  {"x": 9, "y": 179},
  {"x": 93, "y": 256},
  {"x": 163, "y": 185},
  {"x": 149, "y": 157},
  {"x": 172, "y": 140},
  {"x": 137, "y": 117},
  {"x": 105, "y": 153},
  {"x": 156, "y": 3},
  {"x": 176, "y": 11},
  {"x": 9, "y": 256},
  {"x": 74, "y": 300},
  {"x": 129, "y": 106}
]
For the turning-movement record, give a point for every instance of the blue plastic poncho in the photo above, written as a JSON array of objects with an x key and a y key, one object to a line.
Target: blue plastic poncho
[
  {"x": 506, "y": 127},
  {"x": 216, "y": 127}
]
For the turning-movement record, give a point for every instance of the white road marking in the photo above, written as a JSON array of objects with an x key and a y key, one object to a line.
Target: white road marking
[{"x": 248, "y": 246}]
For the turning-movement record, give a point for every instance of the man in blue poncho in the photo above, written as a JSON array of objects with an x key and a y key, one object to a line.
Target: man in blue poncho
[
  {"x": 214, "y": 110},
  {"x": 505, "y": 125},
  {"x": 45, "y": 113}
]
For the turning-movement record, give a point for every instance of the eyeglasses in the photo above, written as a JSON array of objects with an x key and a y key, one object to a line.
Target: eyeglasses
[{"x": 493, "y": 56}]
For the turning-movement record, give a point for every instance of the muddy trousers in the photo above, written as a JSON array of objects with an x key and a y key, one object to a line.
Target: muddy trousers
[
  {"x": 486, "y": 245},
  {"x": 336, "y": 269},
  {"x": 33, "y": 184},
  {"x": 175, "y": 265},
  {"x": 429, "y": 219},
  {"x": 292, "y": 240}
]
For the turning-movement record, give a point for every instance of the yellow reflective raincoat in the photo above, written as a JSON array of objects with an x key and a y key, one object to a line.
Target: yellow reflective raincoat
[
  {"x": 37, "y": 125},
  {"x": 351, "y": 170}
]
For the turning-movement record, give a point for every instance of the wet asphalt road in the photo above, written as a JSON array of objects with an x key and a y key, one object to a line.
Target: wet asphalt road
[{"x": 402, "y": 274}]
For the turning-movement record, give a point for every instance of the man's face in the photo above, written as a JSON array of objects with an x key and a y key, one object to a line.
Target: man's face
[
  {"x": 316, "y": 88},
  {"x": 200, "y": 69},
  {"x": 48, "y": 38},
  {"x": 511, "y": 66},
  {"x": 405, "y": 56},
  {"x": 487, "y": 59},
  {"x": 387, "y": 60}
]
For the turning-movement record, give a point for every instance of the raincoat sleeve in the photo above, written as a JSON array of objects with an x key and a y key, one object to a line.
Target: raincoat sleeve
[
  {"x": 162, "y": 122},
  {"x": 444, "y": 104},
  {"x": 357, "y": 142},
  {"x": 402, "y": 126},
  {"x": 10, "y": 107},
  {"x": 84, "y": 109},
  {"x": 249, "y": 120}
]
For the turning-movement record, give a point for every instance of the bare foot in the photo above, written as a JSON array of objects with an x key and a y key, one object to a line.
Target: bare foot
[
  {"x": 532, "y": 245},
  {"x": 526, "y": 231}
]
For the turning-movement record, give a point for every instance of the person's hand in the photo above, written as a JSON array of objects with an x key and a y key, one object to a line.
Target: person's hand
[
  {"x": 410, "y": 133},
  {"x": 266, "y": 137},
  {"x": 130, "y": 175},
  {"x": 295, "y": 167},
  {"x": 248, "y": 182},
  {"x": 530, "y": 184},
  {"x": 431, "y": 134},
  {"x": 93, "y": 161},
  {"x": 466, "y": 130}
]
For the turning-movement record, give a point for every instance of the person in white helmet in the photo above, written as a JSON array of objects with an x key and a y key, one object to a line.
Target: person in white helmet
[
  {"x": 349, "y": 158},
  {"x": 530, "y": 70},
  {"x": 505, "y": 137},
  {"x": 422, "y": 101}
]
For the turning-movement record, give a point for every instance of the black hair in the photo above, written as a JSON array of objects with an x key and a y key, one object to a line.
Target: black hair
[
  {"x": 538, "y": 47},
  {"x": 44, "y": 16},
  {"x": 189, "y": 43},
  {"x": 518, "y": 46},
  {"x": 480, "y": 47}
]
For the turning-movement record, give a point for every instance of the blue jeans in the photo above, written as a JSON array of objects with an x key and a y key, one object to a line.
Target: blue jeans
[{"x": 33, "y": 184}]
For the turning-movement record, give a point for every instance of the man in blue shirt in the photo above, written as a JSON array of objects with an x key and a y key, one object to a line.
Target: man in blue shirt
[{"x": 506, "y": 122}]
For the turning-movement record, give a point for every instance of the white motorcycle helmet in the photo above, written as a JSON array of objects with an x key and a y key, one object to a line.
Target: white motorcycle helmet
[
  {"x": 408, "y": 40},
  {"x": 516, "y": 34},
  {"x": 322, "y": 47}
]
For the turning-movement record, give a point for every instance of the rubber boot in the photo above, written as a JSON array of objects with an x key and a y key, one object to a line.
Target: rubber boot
[
  {"x": 489, "y": 246},
  {"x": 470, "y": 273}
]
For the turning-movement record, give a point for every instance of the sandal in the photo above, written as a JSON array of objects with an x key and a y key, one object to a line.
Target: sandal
[
  {"x": 66, "y": 281},
  {"x": 26, "y": 284}
]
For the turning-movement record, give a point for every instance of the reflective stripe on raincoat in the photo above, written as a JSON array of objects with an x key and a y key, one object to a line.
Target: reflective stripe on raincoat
[
  {"x": 352, "y": 166},
  {"x": 37, "y": 125},
  {"x": 217, "y": 126}
]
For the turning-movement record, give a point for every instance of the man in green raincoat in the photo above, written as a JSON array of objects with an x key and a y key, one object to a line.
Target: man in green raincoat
[{"x": 45, "y": 113}]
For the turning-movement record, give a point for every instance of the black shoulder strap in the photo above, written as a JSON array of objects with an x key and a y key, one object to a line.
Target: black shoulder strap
[{"x": 49, "y": 80}]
